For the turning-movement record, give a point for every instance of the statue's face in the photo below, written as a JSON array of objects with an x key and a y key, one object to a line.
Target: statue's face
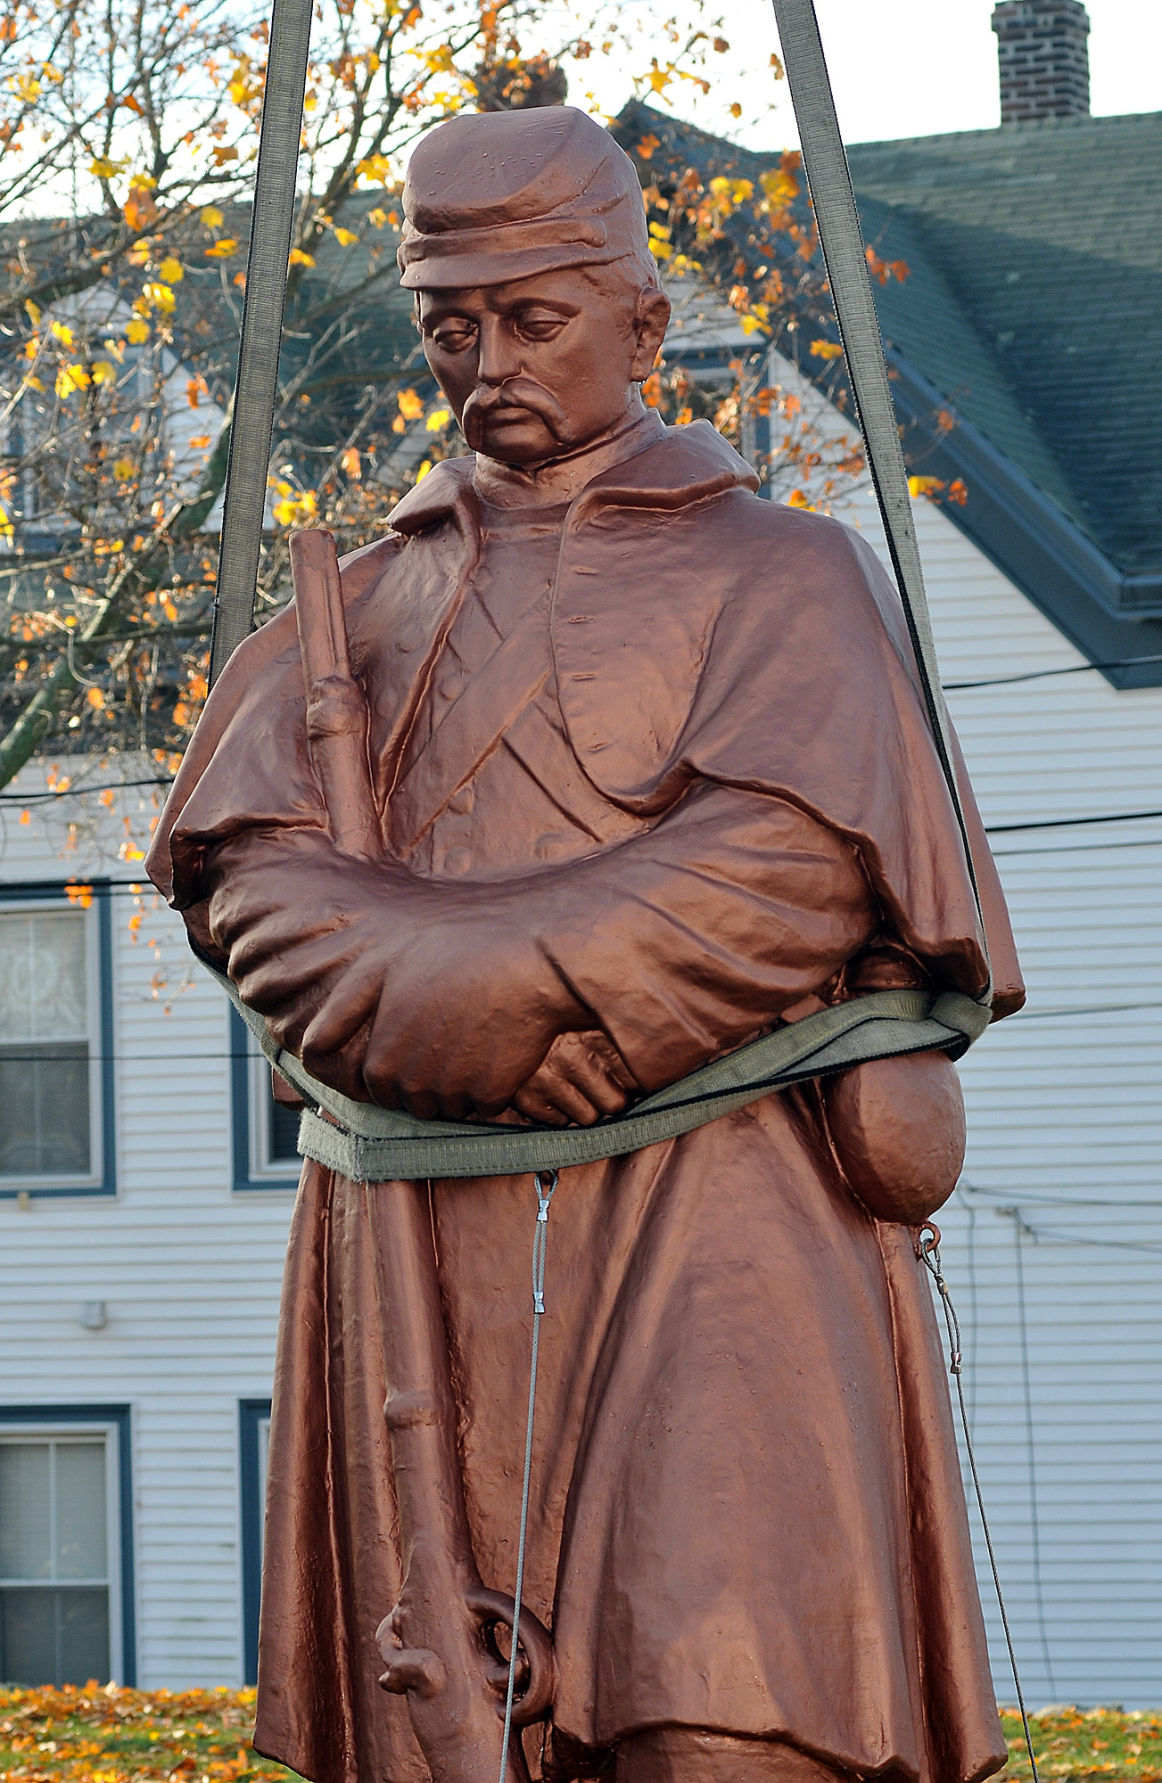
[{"x": 540, "y": 367}]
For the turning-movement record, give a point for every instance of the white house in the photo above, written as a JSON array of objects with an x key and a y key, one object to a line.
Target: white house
[{"x": 146, "y": 1186}]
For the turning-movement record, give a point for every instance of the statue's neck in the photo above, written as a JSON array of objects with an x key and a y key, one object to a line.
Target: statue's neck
[{"x": 520, "y": 486}]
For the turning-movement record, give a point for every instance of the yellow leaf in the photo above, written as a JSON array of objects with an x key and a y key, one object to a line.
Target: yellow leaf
[
  {"x": 137, "y": 331},
  {"x": 6, "y": 527},
  {"x": 284, "y": 512},
  {"x": 63, "y": 333},
  {"x": 298, "y": 257},
  {"x": 33, "y": 311},
  {"x": 375, "y": 167},
  {"x": 51, "y": 74},
  {"x": 345, "y": 237},
  {"x": 377, "y": 218},
  {"x": 797, "y": 499},
  {"x": 410, "y": 405},
  {"x": 438, "y": 420},
  {"x": 103, "y": 372},
  {"x": 826, "y": 349},
  {"x": 159, "y": 297},
  {"x": 104, "y": 169},
  {"x": 96, "y": 699},
  {"x": 423, "y": 470},
  {"x": 222, "y": 250},
  {"x": 924, "y": 486},
  {"x": 211, "y": 216},
  {"x": 31, "y": 348},
  {"x": 171, "y": 270},
  {"x": 70, "y": 378},
  {"x": 123, "y": 469}
]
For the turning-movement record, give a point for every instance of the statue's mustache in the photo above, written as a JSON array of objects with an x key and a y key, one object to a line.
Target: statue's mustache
[{"x": 514, "y": 393}]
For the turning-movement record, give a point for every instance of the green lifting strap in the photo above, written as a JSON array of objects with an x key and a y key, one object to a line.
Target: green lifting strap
[
  {"x": 845, "y": 256},
  {"x": 372, "y": 1144},
  {"x": 256, "y": 387}
]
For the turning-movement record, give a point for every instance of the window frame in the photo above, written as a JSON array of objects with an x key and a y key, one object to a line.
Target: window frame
[
  {"x": 102, "y": 1177},
  {"x": 249, "y": 1086},
  {"x": 40, "y": 1423},
  {"x": 253, "y": 1416}
]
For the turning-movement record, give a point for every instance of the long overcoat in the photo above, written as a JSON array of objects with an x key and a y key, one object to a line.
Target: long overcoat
[{"x": 693, "y": 784}]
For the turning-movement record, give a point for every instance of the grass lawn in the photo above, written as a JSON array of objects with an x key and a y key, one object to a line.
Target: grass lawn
[{"x": 108, "y": 1735}]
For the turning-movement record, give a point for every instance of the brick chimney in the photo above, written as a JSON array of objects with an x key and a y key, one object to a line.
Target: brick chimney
[{"x": 1044, "y": 59}]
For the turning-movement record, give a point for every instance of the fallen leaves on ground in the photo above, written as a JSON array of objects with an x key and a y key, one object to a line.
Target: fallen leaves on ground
[
  {"x": 95, "y": 1733},
  {"x": 1087, "y": 1745},
  {"x": 103, "y": 1734}
]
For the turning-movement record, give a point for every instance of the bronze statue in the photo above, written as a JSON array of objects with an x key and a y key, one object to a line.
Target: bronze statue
[{"x": 642, "y": 772}]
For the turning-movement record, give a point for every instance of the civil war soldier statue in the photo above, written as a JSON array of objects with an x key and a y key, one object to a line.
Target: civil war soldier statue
[{"x": 652, "y": 778}]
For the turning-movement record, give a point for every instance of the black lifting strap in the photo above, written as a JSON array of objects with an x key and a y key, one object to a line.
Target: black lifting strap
[{"x": 845, "y": 256}]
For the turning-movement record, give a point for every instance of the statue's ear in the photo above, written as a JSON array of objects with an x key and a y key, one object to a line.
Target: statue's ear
[{"x": 651, "y": 318}]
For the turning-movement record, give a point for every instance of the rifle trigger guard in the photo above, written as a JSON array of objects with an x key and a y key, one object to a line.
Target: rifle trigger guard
[{"x": 537, "y": 1676}]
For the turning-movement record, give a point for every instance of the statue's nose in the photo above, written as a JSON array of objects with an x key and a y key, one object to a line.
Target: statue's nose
[{"x": 497, "y": 356}]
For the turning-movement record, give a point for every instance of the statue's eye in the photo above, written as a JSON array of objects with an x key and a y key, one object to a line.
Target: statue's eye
[
  {"x": 454, "y": 335},
  {"x": 540, "y": 325}
]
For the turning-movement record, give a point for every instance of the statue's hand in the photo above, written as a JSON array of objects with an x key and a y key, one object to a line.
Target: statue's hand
[{"x": 581, "y": 1078}]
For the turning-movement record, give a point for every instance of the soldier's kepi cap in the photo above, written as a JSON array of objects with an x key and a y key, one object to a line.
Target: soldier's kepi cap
[{"x": 493, "y": 196}]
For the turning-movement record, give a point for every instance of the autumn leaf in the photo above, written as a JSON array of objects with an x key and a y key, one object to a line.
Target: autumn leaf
[
  {"x": 351, "y": 462},
  {"x": 62, "y": 332},
  {"x": 159, "y": 297},
  {"x": 137, "y": 331},
  {"x": 199, "y": 442},
  {"x": 95, "y": 698},
  {"x": 438, "y": 420},
  {"x": 410, "y": 406},
  {"x": 222, "y": 250},
  {"x": 79, "y": 894},
  {"x": 924, "y": 486},
  {"x": 70, "y": 378},
  {"x": 103, "y": 372},
  {"x": 377, "y": 218},
  {"x": 123, "y": 469},
  {"x": 346, "y": 237},
  {"x": 299, "y": 257},
  {"x": 171, "y": 270},
  {"x": 826, "y": 349},
  {"x": 210, "y": 217}
]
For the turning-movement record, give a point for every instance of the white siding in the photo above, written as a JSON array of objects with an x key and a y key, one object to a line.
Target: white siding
[
  {"x": 1064, "y": 1129},
  {"x": 189, "y": 1272}
]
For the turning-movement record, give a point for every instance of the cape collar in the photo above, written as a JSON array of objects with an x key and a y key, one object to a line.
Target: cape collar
[{"x": 684, "y": 464}]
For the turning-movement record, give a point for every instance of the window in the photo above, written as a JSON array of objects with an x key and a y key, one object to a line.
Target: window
[
  {"x": 65, "y": 1564},
  {"x": 56, "y": 1038},
  {"x": 253, "y": 1442},
  {"x": 265, "y": 1133}
]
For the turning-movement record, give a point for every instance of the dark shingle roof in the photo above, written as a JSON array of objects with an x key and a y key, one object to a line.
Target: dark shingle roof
[
  {"x": 1032, "y": 311},
  {"x": 1048, "y": 239}
]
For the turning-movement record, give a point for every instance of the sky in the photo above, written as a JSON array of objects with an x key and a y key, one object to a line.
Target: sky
[{"x": 899, "y": 68}]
